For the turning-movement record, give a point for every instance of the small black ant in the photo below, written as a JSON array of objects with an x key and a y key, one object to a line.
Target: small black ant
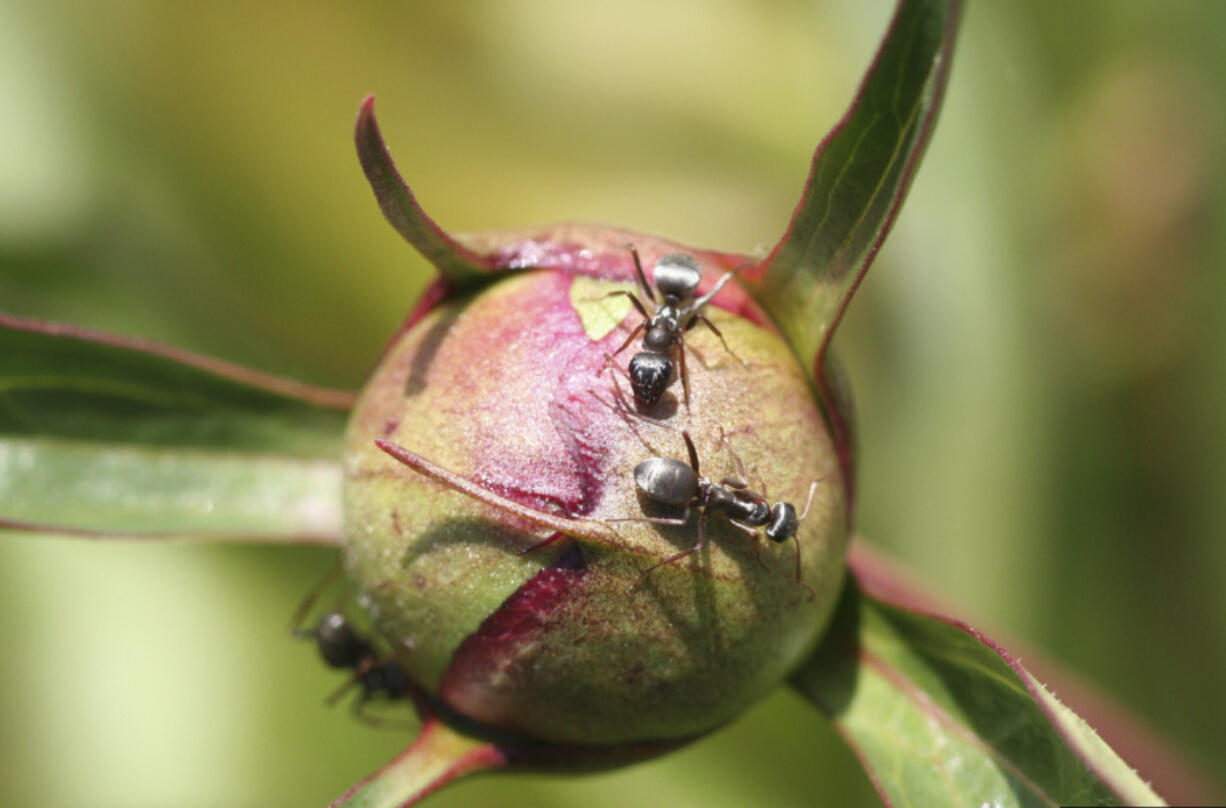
[
  {"x": 342, "y": 647},
  {"x": 676, "y": 276},
  {"x": 671, "y": 482}
]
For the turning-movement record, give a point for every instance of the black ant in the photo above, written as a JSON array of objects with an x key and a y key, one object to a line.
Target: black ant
[
  {"x": 676, "y": 276},
  {"x": 342, "y": 647},
  {"x": 671, "y": 482}
]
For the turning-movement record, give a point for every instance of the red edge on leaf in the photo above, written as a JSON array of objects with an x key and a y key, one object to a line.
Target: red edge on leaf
[
  {"x": 881, "y": 578},
  {"x": 939, "y": 715},
  {"x": 484, "y": 758},
  {"x": 315, "y": 539},
  {"x": 288, "y": 388}
]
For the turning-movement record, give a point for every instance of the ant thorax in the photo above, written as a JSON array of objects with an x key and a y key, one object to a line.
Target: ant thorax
[{"x": 663, "y": 330}]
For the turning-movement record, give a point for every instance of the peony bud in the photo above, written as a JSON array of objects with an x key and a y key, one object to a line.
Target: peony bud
[{"x": 489, "y": 559}]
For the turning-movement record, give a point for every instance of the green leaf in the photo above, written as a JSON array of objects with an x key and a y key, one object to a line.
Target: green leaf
[
  {"x": 941, "y": 715},
  {"x": 105, "y": 435},
  {"x": 456, "y": 263},
  {"x": 859, "y": 176}
]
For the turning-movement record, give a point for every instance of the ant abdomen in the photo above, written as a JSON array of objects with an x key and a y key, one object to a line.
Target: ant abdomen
[
  {"x": 665, "y": 480},
  {"x": 650, "y": 374},
  {"x": 677, "y": 275}
]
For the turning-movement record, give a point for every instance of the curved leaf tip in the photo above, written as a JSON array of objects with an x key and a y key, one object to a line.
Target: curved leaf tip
[
  {"x": 401, "y": 209},
  {"x": 859, "y": 176}
]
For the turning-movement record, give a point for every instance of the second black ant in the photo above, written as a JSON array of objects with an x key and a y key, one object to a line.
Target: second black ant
[
  {"x": 342, "y": 647},
  {"x": 669, "y": 481}
]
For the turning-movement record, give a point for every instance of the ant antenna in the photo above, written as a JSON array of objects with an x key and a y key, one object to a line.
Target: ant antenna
[{"x": 295, "y": 625}]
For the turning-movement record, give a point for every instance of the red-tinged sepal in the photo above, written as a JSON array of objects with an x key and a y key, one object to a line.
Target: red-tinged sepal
[
  {"x": 454, "y": 262},
  {"x": 446, "y": 751}
]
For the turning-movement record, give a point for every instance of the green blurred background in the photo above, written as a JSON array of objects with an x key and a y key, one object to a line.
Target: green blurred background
[{"x": 1038, "y": 354}]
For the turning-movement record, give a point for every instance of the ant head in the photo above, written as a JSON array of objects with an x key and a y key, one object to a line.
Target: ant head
[
  {"x": 339, "y": 644},
  {"x": 677, "y": 275},
  {"x": 783, "y": 522}
]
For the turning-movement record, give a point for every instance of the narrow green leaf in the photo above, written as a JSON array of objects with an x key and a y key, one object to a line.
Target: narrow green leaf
[
  {"x": 859, "y": 176},
  {"x": 439, "y": 755},
  {"x": 105, "y": 435},
  {"x": 941, "y": 715},
  {"x": 454, "y": 262}
]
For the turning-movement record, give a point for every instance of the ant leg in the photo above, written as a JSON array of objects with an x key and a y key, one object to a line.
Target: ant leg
[
  {"x": 638, "y": 329},
  {"x": 685, "y": 376},
  {"x": 655, "y": 520},
  {"x": 700, "y": 317},
  {"x": 609, "y": 359},
  {"x": 698, "y": 545},
  {"x": 753, "y": 534},
  {"x": 700, "y": 356},
  {"x": 359, "y": 713},
  {"x": 640, "y": 277},
  {"x": 736, "y": 458},
  {"x": 354, "y": 678},
  {"x": 689, "y": 447},
  {"x": 295, "y": 623},
  {"x": 796, "y": 539},
  {"x": 620, "y": 406},
  {"x": 705, "y": 299},
  {"x": 812, "y": 594},
  {"x": 637, "y": 304},
  {"x": 358, "y": 710},
  {"x": 750, "y": 529},
  {"x": 742, "y": 484}
]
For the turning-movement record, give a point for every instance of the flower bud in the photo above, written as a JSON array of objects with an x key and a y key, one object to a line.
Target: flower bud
[{"x": 522, "y": 604}]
